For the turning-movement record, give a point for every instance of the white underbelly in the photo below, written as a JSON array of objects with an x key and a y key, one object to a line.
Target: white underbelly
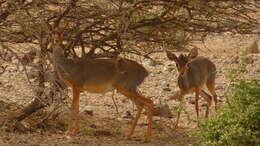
[{"x": 98, "y": 88}]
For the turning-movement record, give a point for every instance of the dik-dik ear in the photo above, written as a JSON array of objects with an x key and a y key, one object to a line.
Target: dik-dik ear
[
  {"x": 50, "y": 29},
  {"x": 171, "y": 56},
  {"x": 53, "y": 34},
  {"x": 193, "y": 53},
  {"x": 61, "y": 30}
]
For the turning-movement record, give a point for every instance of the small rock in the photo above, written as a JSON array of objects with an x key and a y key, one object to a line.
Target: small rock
[
  {"x": 68, "y": 137},
  {"x": 213, "y": 56},
  {"x": 249, "y": 59},
  {"x": 220, "y": 100},
  {"x": 102, "y": 133},
  {"x": 159, "y": 72},
  {"x": 128, "y": 115},
  {"x": 88, "y": 112},
  {"x": 219, "y": 87},
  {"x": 175, "y": 96},
  {"x": 169, "y": 67},
  {"x": 234, "y": 60},
  {"x": 162, "y": 110},
  {"x": 150, "y": 63},
  {"x": 8, "y": 57},
  {"x": 191, "y": 99},
  {"x": 28, "y": 57},
  {"x": 166, "y": 89},
  {"x": 32, "y": 74},
  {"x": 204, "y": 104},
  {"x": 93, "y": 126}
]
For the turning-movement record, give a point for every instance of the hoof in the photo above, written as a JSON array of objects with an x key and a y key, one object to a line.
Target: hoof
[
  {"x": 72, "y": 132},
  {"x": 128, "y": 138},
  {"x": 198, "y": 126},
  {"x": 146, "y": 140},
  {"x": 147, "y": 137}
]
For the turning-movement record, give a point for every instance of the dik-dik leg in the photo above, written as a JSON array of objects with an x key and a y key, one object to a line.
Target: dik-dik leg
[
  {"x": 197, "y": 94},
  {"x": 73, "y": 126},
  {"x": 181, "y": 106},
  {"x": 211, "y": 88},
  {"x": 140, "y": 102},
  {"x": 209, "y": 102}
]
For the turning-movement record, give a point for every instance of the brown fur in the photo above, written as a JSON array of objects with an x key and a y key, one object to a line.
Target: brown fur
[
  {"x": 194, "y": 72},
  {"x": 100, "y": 75}
]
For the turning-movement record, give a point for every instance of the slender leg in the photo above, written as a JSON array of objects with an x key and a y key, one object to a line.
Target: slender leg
[
  {"x": 209, "y": 99},
  {"x": 150, "y": 120},
  {"x": 180, "y": 108},
  {"x": 197, "y": 93},
  {"x": 211, "y": 88},
  {"x": 134, "y": 122},
  {"x": 178, "y": 116},
  {"x": 141, "y": 102},
  {"x": 74, "y": 127},
  {"x": 209, "y": 102},
  {"x": 177, "y": 120}
]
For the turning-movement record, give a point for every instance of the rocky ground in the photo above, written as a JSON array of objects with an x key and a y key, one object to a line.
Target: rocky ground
[{"x": 107, "y": 127}]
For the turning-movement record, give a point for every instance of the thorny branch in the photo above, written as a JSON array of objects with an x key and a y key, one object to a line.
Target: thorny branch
[
  {"x": 117, "y": 26},
  {"x": 113, "y": 27}
]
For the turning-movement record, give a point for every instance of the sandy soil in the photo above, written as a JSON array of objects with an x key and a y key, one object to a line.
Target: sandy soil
[{"x": 105, "y": 126}]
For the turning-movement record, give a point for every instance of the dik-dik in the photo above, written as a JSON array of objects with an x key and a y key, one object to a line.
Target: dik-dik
[
  {"x": 100, "y": 75},
  {"x": 195, "y": 72}
]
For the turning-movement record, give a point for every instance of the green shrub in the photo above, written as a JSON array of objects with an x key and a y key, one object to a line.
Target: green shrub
[{"x": 238, "y": 123}]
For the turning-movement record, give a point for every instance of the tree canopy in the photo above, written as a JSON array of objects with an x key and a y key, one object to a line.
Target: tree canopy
[
  {"x": 126, "y": 26},
  {"x": 111, "y": 27}
]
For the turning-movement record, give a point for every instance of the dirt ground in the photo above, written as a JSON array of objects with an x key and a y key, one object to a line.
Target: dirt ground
[{"x": 106, "y": 126}]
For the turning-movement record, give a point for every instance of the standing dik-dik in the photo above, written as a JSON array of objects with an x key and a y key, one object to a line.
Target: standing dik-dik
[
  {"x": 195, "y": 72},
  {"x": 100, "y": 75}
]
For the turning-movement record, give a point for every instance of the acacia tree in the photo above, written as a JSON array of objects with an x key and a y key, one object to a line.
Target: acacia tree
[{"x": 114, "y": 27}]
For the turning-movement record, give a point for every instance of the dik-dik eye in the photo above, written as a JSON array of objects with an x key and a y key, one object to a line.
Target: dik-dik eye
[{"x": 177, "y": 65}]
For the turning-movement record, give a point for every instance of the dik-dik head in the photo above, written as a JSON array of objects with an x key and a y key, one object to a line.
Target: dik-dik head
[
  {"x": 56, "y": 34},
  {"x": 182, "y": 60}
]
